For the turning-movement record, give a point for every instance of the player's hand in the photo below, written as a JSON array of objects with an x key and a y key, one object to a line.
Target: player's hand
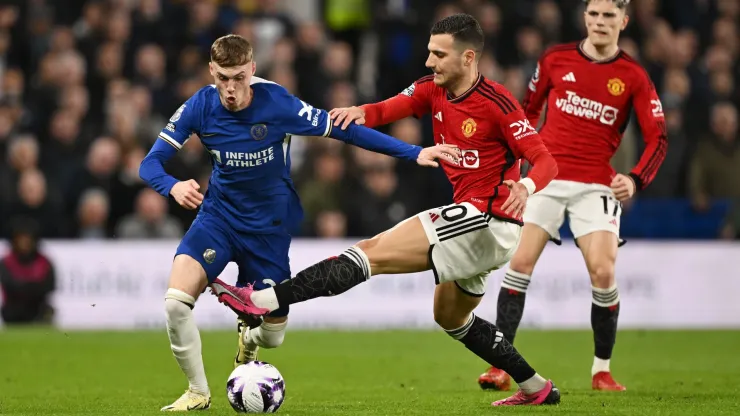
[
  {"x": 623, "y": 187},
  {"x": 429, "y": 155},
  {"x": 186, "y": 194},
  {"x": 517, "y": 200},
  {"x": 346, "y": 115}
]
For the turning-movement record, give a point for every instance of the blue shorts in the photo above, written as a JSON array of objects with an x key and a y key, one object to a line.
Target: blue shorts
[{"x": 262, "y": 258}]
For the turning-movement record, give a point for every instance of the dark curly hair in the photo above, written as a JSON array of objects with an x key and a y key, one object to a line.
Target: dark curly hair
[{"x": 463, "y": 28}]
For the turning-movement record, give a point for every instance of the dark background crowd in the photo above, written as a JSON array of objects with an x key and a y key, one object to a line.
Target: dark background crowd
[{"x": 86, "y": 85}]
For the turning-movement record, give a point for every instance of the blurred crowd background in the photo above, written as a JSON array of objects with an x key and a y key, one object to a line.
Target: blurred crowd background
[{"x": 86, "y": 85}]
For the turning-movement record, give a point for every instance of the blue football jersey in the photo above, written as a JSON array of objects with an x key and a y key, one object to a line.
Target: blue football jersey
[{"x": 250, "y": 187}]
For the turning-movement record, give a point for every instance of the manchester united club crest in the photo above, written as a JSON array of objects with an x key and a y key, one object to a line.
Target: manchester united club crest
[
  {"x": 615, "y": 87},
  {"x": 469, "y": 127}
]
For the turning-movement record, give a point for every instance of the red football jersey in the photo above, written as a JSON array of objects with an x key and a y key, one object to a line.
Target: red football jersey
[
  {"x": 491, "y": 130},
  {"x": 588, "y": 106}
]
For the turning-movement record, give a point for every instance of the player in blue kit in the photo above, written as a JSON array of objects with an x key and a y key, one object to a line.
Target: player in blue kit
[{"x": 246, "y": 124}]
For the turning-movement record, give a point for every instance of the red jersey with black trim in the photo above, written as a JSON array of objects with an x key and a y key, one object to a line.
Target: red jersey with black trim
[
  {"x": 491, "y": 130},
  {"x": 588, "y": 107}
]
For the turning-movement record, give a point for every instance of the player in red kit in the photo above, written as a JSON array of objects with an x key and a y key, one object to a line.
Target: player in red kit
[
  {"x": 461, "y": 242},
  {"x": 590, "y": 88}
]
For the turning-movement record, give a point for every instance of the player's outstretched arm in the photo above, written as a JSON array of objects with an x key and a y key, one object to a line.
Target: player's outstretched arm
[
  {"x": 374, "y": 114},
  {"x": 413, "y": 101},
  {"x": 301, "y": 118},
  {"x": 378, "y": 142}
]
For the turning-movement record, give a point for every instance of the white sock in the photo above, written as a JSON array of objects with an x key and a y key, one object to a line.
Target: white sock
[
  {"x": 267, "y": 335},
  {"x": 265, "y": 299},
  {"x": 599, "y": 366},
  {"x": 185, "y": 338},
  {"x": 533, "y": 384}
]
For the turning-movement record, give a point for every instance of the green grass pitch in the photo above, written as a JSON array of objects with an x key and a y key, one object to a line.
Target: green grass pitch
[{"x": 46, "y": 372}]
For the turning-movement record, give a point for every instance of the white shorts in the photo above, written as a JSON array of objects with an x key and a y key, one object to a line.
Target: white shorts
[
  {"x": 590, "y": 207},
  {"x": 466, "y": 245}
]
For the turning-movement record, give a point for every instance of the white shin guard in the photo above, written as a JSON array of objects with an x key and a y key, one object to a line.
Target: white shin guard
[{"x": 185, "y": 338}]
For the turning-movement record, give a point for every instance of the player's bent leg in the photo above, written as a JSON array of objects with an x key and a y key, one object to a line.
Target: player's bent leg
[
  {"x": 263, "y": 262},
  {"x": 452, "y": 307},
  {"x": 187, "y": 281},
  {"x": 512, "y": 296},
  {"x": 453, "y": 311},
  {"x": 599, "y": 249},
  {"x": 403, "y": 249},
  {"x": 203, "y": 253}
]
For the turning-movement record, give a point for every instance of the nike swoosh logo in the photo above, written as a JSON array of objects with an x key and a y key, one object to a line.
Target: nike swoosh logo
[{"x": 209, "y": 134}]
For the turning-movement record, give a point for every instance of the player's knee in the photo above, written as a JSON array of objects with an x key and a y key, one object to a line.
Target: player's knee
[
  {"x": 448, "y": 316},
  {"x": 188, "y": 276},
  {"x": 177, "y": 305},
  {"x": 368, "y": 247},
  {"x": 522, "y": 264},
  {"x": 602, "y": 275},
  {"x": 441, "y": 316},
  {"x": 377, "y": 259},
  {"x": 268, "y": 335}
]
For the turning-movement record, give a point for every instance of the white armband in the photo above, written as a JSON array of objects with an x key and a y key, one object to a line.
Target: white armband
[{"x": 529, "y": 184}]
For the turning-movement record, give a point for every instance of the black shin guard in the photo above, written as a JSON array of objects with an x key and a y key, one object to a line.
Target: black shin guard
[
  {"x": 329, "y": 277},
  {"x": 604, "y": 316},
  {"x": 510, "y": 305},
  {"x": 487, "y": 342}
]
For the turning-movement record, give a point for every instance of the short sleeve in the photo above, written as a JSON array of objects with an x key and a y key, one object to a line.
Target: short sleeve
[
  {"x": 301, "y": 118},
  {"x": 420, "y": 93},
  {"x": 184, "y": 121}
]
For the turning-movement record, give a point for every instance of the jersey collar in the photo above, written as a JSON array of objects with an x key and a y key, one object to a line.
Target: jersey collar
[
  {"x": 467, "y": 93},
  {"x": 596, "y": 61}
]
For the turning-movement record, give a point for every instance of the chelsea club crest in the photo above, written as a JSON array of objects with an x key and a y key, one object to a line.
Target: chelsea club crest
[
  {"x": 259, "y": 131},
  {"x": 209, "y": 255}
]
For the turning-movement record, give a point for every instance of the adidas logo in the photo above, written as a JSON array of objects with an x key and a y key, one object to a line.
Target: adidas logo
[
  {"x": 569, "y": 77},
  {"x": 433, "y": 216},
  {"x": 497, "y": 339},
  {"x": 438, "y": 116}
]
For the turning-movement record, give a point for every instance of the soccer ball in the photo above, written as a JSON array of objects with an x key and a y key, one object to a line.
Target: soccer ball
[{"x": 255, "y": 387}]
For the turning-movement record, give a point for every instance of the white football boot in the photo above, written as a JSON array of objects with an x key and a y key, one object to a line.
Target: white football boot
[{"x": 189, "y": 401}]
